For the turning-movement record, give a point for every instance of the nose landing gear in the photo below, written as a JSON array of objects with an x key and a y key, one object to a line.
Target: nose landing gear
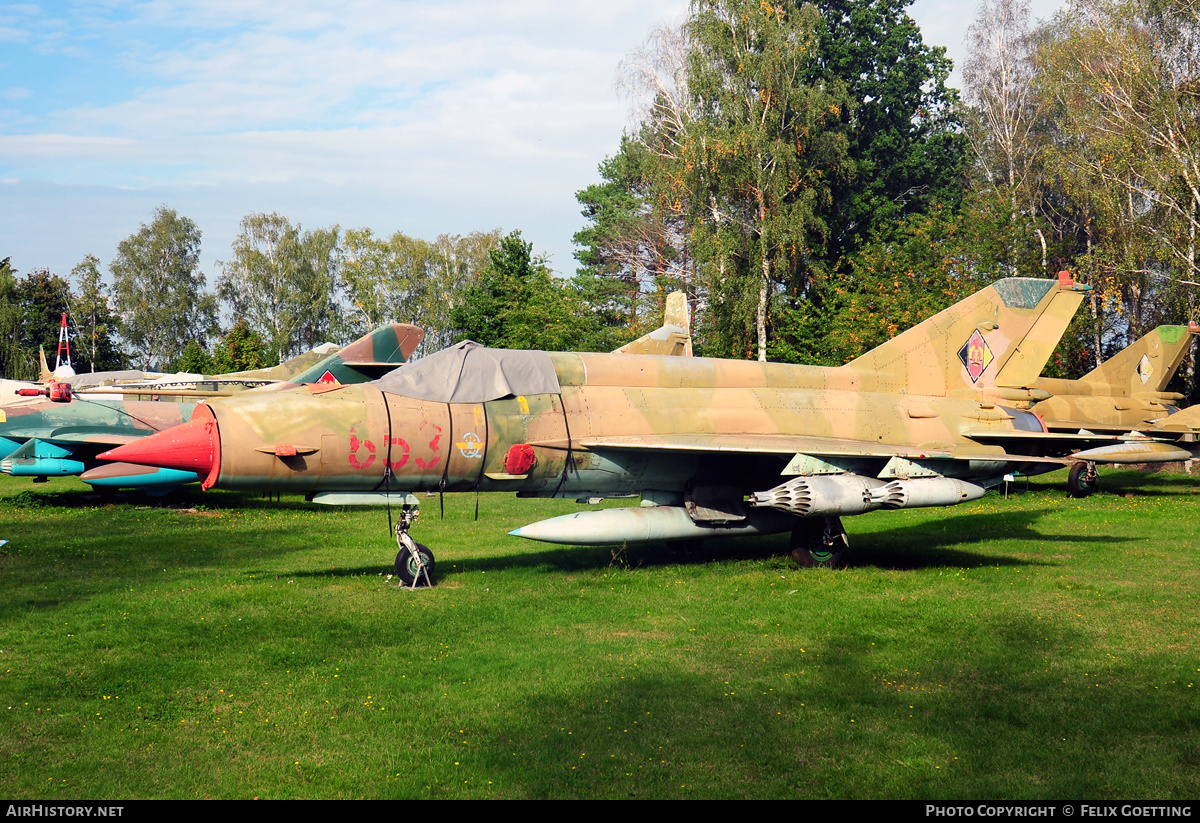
[{"x": 414, "y": 561}]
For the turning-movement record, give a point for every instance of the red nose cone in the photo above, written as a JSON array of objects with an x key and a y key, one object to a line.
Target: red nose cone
[{"x": 193, "y": 446}]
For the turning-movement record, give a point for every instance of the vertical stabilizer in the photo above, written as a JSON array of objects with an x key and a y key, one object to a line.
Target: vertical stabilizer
[
  {"x": 44, "y": 373},
  {"x": 1007, "y": 329},
  {"x": 1031, "y": 354},
  {"x": 672, "y": 338},
  {"x": 367, "y": 358},
  {"x": 1144, "y": 366}
]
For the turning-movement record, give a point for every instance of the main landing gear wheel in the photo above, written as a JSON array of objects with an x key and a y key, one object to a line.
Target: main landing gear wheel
[
  {"x": 1083, "y": 480},
  {"x": 686, "y": 547},
  {"x": 819, "y": 541},
  {"x": 415, "y": 570}
]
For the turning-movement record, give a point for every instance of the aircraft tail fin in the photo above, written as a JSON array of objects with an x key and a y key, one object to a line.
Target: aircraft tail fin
[
  {"x": 1029, "y": 357},
  {"x": 1146, "y": 365},
  {"x": 674, "y": 337},
  {"x": 285, "y": 370},
  {"x": 367, "y": 358},
  {"x": 998, "y": 338},
  {"x": 44, "y": 373},
  {"x": 372, "y": 355}
]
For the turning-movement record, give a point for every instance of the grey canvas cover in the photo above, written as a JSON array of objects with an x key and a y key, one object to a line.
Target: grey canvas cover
[
  {"x": 470, "y": 373},
  {"x": 87, "y": 381}
]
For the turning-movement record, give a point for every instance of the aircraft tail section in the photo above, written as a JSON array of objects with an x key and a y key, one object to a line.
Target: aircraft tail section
[
  {"x": 368, "y": 358},
  {"x": 997, "y": 339},
  {"x": 1031, "y": 354},
  {"x": 672, "y": 338},
  {"x": 1144, "y": 366},
  {"x": 44, "y": 373}
]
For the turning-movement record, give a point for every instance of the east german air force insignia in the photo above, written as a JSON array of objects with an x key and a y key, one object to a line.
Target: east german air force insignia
[
  {"x": 975, "y": 355},
  {"x": 1145, "y": 369}
]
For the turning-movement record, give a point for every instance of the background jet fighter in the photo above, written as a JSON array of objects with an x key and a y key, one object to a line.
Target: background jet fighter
[
  {"x": 1119, "y": 412},
  {"x": 42, "y": 437},
  {"x": 1127, "y": 391},
  {"x": 1125, "y": 394}
]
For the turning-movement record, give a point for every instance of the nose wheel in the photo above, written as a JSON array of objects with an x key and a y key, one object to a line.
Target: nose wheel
[{"x": 414, "y": 561}]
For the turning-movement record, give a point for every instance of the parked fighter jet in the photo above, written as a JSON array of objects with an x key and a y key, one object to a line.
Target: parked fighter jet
[
  {"x": 135, "y": 381},
  {"x": 902, "y": 426},
  {"x": 1126, "y": 393},
  {"x": 58, "y": 432}
]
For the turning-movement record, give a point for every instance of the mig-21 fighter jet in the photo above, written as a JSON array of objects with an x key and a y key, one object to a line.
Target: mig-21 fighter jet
[
  {"x": 1120, "y": 412},
  {"x": 1126, "y": 395},
  {"x": 712, "y": 447}
]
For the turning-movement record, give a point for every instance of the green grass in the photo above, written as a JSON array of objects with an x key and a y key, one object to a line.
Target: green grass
[{"x": 1035, "y": 647}]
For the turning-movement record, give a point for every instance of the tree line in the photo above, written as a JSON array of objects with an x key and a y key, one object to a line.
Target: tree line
[
  {"x": 805, "y": 172},
  {"x": 285, "y": 290}
]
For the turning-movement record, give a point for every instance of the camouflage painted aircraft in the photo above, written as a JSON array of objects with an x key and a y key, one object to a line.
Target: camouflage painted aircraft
[
  {"x": 1125, "y": 394},
  {"x": 134, "y": 381},
  {"x": 61, "y": 434},
  {"x": 672, "y": 338},
  {"x": 713, "y": 447}
]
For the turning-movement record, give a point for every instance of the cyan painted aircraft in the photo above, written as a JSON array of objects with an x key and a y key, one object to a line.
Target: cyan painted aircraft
[{"x": 53, "y": 431}]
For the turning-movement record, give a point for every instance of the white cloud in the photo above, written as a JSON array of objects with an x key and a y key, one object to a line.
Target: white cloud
[
  {"x": 406, "y": 116},
  {"x": 414, "y": 116},
  {"x": 513, "y": 81}
]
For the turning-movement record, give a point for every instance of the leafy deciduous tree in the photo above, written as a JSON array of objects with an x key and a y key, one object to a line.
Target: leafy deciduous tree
[
  {"x": 158, "y": 288},
  {"x": 282, "y": 282},
  {"x": 764, "y": 149},
  {"x": 634, "y": 248},
  {"x": 999, "y": 74},
  {"x": 13, "y": 358},
  {"x": 93, "y": 319},
  {"x": 408, "y": 280},
  {"x": 518, "y": 304},
  {"x": 239, "y": 349},
  {"x": 195, "y": 359},
  {"x": 901, "y": 124}
]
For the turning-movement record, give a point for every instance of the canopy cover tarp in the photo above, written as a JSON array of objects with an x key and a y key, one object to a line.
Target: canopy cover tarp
[{"x": 470, "y": 373}]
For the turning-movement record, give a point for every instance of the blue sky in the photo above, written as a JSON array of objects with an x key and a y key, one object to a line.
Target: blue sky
[{"x": 422, "y": 117}]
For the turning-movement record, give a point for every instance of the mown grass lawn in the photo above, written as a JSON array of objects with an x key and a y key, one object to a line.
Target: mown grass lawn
[{"x": 233, "y": 647}]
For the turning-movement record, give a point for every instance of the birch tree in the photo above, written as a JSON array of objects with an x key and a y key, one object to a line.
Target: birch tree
[
  {"x": 763, "y": 150},
  {"x": 409, "y": 280},
  {"x": 159, "y": 290},
  {"x": 92, "y": 317},
  {"x": 282, "y": 281},
  {"x": 998, "y": 81},
  {"x": 1124, "y": 76}
]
